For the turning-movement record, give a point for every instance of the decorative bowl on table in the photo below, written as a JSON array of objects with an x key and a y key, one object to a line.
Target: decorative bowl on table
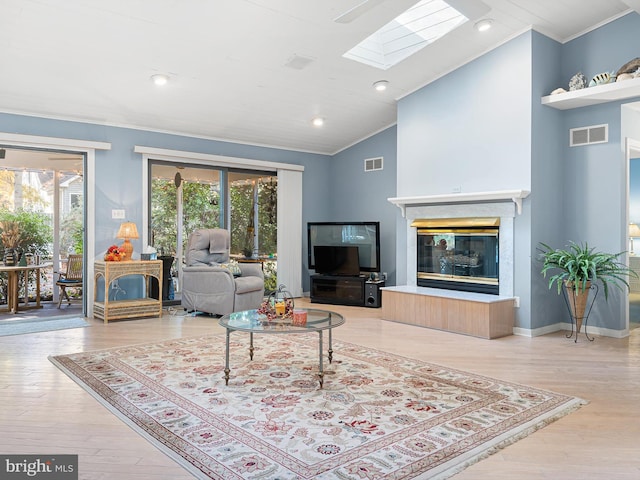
[{"x": 278, "y": 306}]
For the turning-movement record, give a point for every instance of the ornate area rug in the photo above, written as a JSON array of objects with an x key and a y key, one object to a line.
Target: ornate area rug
[{"x": 379, "y": 416}]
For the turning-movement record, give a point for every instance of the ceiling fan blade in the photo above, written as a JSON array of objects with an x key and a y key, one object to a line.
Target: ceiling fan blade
[{"x": 358, "y": 10}]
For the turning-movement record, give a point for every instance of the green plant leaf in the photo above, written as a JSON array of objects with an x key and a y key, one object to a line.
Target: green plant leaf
[{"x": 579, "y": 264}]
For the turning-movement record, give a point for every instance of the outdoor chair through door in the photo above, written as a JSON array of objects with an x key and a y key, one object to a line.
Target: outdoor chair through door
[{"x": 72, "y": 278}]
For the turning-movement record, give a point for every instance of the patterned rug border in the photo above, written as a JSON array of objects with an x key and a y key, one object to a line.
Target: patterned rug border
[
  {"x": 565, "y": 404},
  {"x": 126, "y": 420}
]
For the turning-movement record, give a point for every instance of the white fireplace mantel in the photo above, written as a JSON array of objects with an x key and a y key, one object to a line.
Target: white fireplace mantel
[{"x": 477, "y": 197}]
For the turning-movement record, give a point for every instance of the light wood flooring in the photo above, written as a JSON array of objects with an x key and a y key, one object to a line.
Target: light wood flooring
[{"x": 42, "y": 411}]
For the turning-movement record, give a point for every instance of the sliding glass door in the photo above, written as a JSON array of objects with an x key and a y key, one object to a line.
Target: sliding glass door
[
  {"x": 253, "y": 223},
  {"x": 185, "y": 198},
  {"x": 42, "y": 220}
]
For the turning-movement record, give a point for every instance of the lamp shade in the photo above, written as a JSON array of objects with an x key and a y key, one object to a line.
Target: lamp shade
[
  {"x": 634, "y": 230},
  {"x": 128, "y": 230}
]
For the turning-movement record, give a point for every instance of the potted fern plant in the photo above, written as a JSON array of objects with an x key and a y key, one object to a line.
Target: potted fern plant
[{"x": 577, "y": 267}]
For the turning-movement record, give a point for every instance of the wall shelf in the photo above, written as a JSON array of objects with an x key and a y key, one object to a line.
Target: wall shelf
[
  {"x": 475, "y": 197},
  {"x": 609, "y": 92}
]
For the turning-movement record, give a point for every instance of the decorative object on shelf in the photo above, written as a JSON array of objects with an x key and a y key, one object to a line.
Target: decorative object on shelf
[
  {"x": 632, "y": 66},
  {"x": 558, "y": 90},
  {"x": 577, "y": 82},
  {"x": 114, "y": 254},
  {"x": 580, "y": 269},
  {"x": 624, "y": 76},
  {"x": 602, "y": 79},
  {"x": 127, "y": 230},
  {"x": 279, "y": 304}
]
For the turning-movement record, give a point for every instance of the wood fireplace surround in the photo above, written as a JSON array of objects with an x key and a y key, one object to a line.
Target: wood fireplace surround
[{"x": 471, "y": 313}]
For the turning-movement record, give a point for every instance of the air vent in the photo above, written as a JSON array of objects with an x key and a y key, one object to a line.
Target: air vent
[
  {"x": 371, "y": 164},
  {"x": 298, "y": 62},
  {"x": 588, "y": 135}
]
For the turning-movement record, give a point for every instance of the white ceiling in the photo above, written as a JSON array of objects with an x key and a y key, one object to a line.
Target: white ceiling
[{"x": 229, "y": 62}]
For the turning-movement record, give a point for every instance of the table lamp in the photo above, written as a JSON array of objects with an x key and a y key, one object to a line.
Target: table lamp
[
  {"x": 634, "y": 232},
  {"x": 127, "y": 230}
]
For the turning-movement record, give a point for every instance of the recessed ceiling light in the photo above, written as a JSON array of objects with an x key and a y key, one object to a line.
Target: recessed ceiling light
[
  {"x": 159, "y": 79},
  {"x": 381, "y": 85},
  {"x": 483, "y": 25},
  {"x": 318, "y": 121}
]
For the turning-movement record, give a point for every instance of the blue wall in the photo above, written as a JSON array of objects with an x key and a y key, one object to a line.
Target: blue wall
[
  {"x": 545, "y": 200},
  {"x": 483, "y": 128},
  {"x": 360, "y": 195},
  {"x": 634, "y": 192},
  {"x": 119, "y": 172},
  {"x": 480, "y": 128},
  {"x": 594, "y": 194},
  {"x": 334, "y": 188},
  {"x": 604, "y": 49},
  {"x": 470, "y": 129}
]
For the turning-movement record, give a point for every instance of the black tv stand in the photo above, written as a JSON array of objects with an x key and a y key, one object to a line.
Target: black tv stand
[{"x": 345, "y": 290}]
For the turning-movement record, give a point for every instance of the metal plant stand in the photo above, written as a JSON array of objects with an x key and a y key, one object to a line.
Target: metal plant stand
[{"x": 574, "y": 321}]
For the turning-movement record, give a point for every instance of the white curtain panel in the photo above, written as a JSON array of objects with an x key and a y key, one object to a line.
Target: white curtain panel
[{"x": 290, "y": 230}]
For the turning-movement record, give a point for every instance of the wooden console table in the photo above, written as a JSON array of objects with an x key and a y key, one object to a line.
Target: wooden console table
[
  {"x": 13, "y": 280},
  {"x": 128, "y": 308},
  {"x": 476, "y": 314}
]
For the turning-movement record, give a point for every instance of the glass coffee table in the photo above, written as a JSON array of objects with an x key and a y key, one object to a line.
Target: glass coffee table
[{"x": 253, "y": 322}]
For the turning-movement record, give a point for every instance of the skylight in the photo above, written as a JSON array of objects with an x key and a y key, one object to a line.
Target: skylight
[{"x": 411, "y": 31}]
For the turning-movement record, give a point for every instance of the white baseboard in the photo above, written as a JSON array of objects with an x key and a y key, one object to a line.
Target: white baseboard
[{"x": 603, "y": 332}]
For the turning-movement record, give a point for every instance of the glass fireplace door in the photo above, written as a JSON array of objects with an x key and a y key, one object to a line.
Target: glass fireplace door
[{"x": 458, "y": 259}]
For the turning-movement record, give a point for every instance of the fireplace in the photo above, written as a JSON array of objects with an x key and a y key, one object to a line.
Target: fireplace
[
  {"x": 458, "y": 253},
  {"x": 504, "y": 205}
]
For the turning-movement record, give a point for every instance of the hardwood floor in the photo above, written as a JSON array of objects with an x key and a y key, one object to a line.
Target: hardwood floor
[{"x": 42, "y": 411}]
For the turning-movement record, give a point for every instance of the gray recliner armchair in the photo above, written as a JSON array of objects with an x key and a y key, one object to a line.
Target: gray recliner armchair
[{"x": 208, "y": 281}]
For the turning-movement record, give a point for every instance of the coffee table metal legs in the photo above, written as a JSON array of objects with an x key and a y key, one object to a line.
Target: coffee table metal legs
[
  {"x": 226, "y": 360},
  {"x": 320, "y": 359},
  {"x": 330, "y": 351},
  {"x": 226, "y": 355},
  {"x": 320, "y": 370}
]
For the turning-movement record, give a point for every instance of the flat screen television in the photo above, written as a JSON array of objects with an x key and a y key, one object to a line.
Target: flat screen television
[
  {"x": 364, "y": 235},
  {"x": 336, "y": 260}
]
